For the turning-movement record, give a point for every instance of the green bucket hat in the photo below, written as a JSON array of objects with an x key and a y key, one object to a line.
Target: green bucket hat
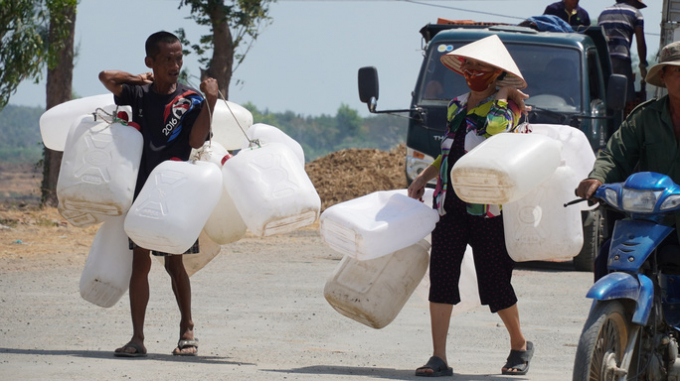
[{"x": 670, "y": 56}]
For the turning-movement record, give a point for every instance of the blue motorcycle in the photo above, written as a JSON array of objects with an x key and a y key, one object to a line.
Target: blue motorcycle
[{"x": 632, "y": 329}]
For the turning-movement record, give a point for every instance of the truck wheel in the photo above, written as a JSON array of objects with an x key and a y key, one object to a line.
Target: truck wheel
[{"x": 592, "y": 239}]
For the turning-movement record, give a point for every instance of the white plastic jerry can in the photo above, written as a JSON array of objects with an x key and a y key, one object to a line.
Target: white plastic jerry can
[
  {"x": 225, "y": 224},
  {"x": 265, "y": 133},
  {"x": 174, "y": 205},
  {"x": 373, "y": 292},
  {"x": 56, "y": 122},
  {"x": 106, "y": 275},
  {"x": 505, "y": 167},
  {"x": 377, "y": 224},
  {"x": 98, "y": 171},
  {"x": 229, "y": 122},
  {"x": 576, "y": 151},
  {"x": 539, "y": 227},
  {"x": 271, "y": 190}
]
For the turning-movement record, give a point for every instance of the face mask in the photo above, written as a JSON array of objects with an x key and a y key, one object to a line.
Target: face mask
[{"x": 479, "y": 80}]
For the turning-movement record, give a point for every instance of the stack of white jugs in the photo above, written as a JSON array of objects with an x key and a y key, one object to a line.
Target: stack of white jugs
[
  {"x": 532, "y": 175},
  {"x": 97, "y": 181},
  {"x": 382, "y": 237}
]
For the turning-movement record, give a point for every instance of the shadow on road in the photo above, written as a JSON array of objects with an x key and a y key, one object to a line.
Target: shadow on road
[
  {"x": 386, "y": 373},
  {"x": 547, "y": 266},
  {"x": 109, "y": 355}
]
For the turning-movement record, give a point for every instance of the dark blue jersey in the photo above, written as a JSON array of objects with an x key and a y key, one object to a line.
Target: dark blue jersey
[{"x": 166, "y": 121}]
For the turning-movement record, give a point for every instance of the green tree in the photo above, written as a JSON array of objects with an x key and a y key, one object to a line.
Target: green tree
[
  {"x": 348, "y": 122},
  {"x": 22, "y": 44},
  {"x": 234, "y": 27}
]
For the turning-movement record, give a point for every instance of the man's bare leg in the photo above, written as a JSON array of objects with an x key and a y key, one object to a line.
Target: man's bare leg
[
  {"x": 181, "y": 286},
  {"x": 139, "y": 298}
]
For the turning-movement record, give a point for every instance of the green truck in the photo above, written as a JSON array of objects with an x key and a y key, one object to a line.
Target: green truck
[{"x": 570, "y": 82}]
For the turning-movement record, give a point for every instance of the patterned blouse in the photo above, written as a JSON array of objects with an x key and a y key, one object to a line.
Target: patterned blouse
[{"x": 488, "y": 118}]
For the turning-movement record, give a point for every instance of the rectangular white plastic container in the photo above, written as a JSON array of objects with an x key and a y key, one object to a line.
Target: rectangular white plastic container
[
  {"x": 174, "y": 205},
  {"x": 373, "y": 292},
  {"x": 106, "y": 275},
  {"x": 271, "y": 190},
  {"x": 505, "y": 167},
  {"x": 377, "y": 224},
  {"x": 98, "y": 171},
  {"x": 539, "y": 227}
]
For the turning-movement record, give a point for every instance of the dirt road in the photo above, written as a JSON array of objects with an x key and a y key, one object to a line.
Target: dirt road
[{"x": 260, "y": 314}]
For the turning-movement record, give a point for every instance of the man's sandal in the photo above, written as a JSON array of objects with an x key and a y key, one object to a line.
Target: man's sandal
[
  {"x": 139, "y": 351},
  {"x": 183, "y": 344}
]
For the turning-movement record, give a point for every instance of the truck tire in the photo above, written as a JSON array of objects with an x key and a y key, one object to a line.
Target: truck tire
[{"x": 592, "y": 239}]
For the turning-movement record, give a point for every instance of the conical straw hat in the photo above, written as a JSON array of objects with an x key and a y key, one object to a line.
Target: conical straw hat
[{"x": 489, "y": 50}]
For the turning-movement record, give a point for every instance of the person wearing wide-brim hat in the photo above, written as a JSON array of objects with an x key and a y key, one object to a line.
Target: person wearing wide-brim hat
[
  {"x": 646, "y": 141},
  {"x": 669, "y": 59},
  {"x": 493, "y": 105}
]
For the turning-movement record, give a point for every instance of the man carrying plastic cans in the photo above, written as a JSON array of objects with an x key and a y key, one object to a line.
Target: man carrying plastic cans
[{"x": 173, "y": 119}]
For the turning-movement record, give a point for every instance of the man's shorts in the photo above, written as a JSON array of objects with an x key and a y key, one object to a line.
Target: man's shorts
[{"x": 194, "y": 249}]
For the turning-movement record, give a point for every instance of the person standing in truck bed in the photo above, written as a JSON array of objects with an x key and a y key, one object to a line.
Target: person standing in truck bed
[
  {"x": 620, "y": 22},
  {"x": 569, "y": 11}
]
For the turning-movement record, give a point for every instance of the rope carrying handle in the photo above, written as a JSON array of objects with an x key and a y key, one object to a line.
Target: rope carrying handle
[{"x": 251, "y": 142}]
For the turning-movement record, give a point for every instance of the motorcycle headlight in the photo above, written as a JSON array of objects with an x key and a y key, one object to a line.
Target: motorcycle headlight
[
  {"x": 639, "y": 201},
  {"x": 611, "y": 197},
  {"x": 671, "y": 202}
]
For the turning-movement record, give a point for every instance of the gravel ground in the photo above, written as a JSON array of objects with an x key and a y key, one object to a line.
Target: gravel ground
[{"x": 260, "y": 314}]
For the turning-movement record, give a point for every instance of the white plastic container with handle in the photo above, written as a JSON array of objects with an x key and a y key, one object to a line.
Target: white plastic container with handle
[
  {"x": 265, "y": 133},
  {"x": 538, "y": 226},
  {"x": 373, "y": 292},
  {"x": 56, "y": 122},
  {"x": 98, "y": 171},
  {"x": 271, "y": 190},
  {"x": 377, "y": 224},
  {"x": 505, "y": 167},
  {"x": 106, "y": 275},
  {"x": 174, "y": 205},
  {"x": 225, "y": 224}
]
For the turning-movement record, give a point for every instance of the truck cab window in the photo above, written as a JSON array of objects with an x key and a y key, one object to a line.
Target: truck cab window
[
  {"x": 548, "y": 70},
  {"x": 596, "y": 88}
]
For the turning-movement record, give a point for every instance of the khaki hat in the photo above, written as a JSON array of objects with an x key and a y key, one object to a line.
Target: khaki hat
[
  {"x": 636, "y": 3},
  {"x": 670, "y": 55},
  {"x": 491, "y": 51}
]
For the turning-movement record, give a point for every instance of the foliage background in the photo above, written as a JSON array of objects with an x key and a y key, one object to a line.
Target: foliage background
[{"x": 318, "y": 135}]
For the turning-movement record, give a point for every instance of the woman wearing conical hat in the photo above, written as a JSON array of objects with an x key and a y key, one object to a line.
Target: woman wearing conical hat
[{"x": 493, "y": 105}]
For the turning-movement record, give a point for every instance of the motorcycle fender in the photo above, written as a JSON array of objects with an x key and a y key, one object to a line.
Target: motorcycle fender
[{"x": 638, "y": 288}]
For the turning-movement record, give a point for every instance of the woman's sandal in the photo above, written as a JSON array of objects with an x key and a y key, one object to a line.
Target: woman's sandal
[
  {"x": 518, "y": 361},
  {"x": 437, "y": 366}
]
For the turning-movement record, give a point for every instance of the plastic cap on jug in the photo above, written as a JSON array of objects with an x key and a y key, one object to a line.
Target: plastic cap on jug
[
  {"x": 226, "y": 157},
  {"x": 135, "y": 126},
  {"x": 175, "y": 159},
  {"x": 122, "y": 115}
]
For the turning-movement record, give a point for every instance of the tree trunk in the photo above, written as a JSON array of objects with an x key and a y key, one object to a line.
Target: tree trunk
[
  {"x": 59, "y": 90},
  {"x": 223, "y": 53}
]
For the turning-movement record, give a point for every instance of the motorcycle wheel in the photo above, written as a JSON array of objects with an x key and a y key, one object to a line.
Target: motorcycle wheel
[{"x": 602, "y": 343}]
